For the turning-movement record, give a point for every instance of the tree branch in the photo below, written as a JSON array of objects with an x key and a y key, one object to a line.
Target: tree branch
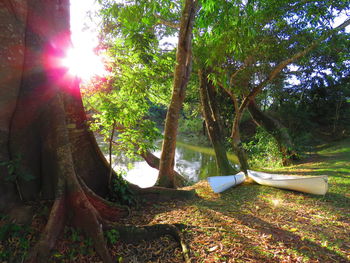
[
  {"x": 164, "y": 22},
  {"x": 274, "y": 73}
]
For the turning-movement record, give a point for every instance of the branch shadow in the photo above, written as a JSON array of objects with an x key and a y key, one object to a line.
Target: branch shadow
[{"x": 290, "y": 240}]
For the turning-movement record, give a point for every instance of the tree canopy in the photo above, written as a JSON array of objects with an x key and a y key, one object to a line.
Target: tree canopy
[{"x": 248, "y": 49}]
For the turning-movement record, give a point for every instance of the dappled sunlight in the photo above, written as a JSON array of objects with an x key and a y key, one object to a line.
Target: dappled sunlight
[
  {"x": 276, "y": 202},
  {"x": 262, "y": 223},
  {"x": 274, "y": 222}
]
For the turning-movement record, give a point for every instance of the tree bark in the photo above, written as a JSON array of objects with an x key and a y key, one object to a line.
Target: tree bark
[
  {"x": 237, "y": 145},
  {"x": 153, "y": 161},
  {"x": 277, "y": 130},
  {"x": 214, "y": 128},
  {"x": 235, "y": 132},
  {"x": 181, "y": 77},
  {"x": 13, "y": 16}
]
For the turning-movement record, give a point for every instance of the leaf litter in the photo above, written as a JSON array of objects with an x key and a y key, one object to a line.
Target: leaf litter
[{"x": 248, "y": 223}]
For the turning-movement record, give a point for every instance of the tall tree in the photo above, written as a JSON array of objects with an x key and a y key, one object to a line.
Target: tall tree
[
  {"x": 46, "y": 146},
  {"x": 249, "y": 43},
  {"x": 210, "y": 111},
  {"x": 141, "y": 26},
  {"x": 181, "y": 76},
  {"x": 12, "y": 30},
  {"x": 276, "y": 129}
]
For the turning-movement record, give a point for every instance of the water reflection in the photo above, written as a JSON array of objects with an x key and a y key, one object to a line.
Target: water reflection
[{"x": 191, "y": 161}]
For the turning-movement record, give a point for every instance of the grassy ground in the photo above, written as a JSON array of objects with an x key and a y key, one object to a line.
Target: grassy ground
[{"x": 248, "y": 223}]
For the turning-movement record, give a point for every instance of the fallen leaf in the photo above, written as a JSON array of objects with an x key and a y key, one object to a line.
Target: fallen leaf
[{"x": 212, "y": 249}]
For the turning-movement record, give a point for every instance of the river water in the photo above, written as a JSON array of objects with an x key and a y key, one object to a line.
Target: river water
[{"x": 194, "y": 162}]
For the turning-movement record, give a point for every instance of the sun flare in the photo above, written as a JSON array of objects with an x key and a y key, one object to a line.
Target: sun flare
[{"x": 83, "y": 63}]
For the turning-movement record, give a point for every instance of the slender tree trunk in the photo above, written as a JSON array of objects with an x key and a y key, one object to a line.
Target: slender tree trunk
[
  {"x": 235, "y": 133},
  {"x": 181, "y": 77},
  {"x": 212, "y": 119},
  {"x": 276, "y": 129},
  {"x": 337, "y": 113},
  {"x": 110, "y": 155},
  {"x": 237, "y": 145},
  {"x": 153, "y": 161}
]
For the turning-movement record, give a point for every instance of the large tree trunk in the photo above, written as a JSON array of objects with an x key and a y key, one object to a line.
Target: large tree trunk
[
  {"x": 47, "y": 35},
  {"x": 212, "y": 119},
  {"x": 43, "y": 130},
  {"x": 13, "y": 18},
  {"x": 276, "y": 129},
  {"x": 181, "y": 77}
]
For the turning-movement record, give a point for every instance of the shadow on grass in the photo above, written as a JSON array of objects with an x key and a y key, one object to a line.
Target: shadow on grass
[
  {"x": 251, "y": 229},
  {"x": 245, "y": 199}
]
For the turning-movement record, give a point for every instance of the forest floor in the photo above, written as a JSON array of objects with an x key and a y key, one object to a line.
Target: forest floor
[{"x": 248, "y": 223}]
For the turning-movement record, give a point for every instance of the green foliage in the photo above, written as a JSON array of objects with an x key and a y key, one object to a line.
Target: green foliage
[
  {"x": 120, "y": 191},
  {"x": 240, "y": 42},
  {"x": 78, "y": 245},
  {"x": 14, "y": 173},
  {"x": 191, "y": 126},
  {"x": 112, "y": 236},
  {"x": 263, "y": 150},
  {"x": 141, "y": 75},
  {"x": 315, "y": 108},
  {"x": 14, "y": 242}
]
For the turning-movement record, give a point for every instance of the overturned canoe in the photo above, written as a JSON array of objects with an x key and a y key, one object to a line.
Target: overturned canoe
[
  {"x": 317, "y": 185},
  {"x": 222, "y": 183}
]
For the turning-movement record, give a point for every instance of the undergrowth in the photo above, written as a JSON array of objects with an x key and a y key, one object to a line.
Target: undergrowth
[
  {"x": 15, "y": 240},
  {"x": 263, "y": 150}
]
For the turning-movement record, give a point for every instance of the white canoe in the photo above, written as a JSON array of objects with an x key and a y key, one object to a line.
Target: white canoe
[
  {"x": 222, "y": 183},
  {"x": 317, "y": 185}
]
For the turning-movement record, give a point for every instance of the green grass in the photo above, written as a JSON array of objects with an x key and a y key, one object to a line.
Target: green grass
[
  {"x": 275, "y": 224},
  {"x": 332, "y": 160}
]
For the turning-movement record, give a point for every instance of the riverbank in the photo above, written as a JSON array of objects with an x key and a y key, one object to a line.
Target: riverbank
[{"x": 248, "y": 223}]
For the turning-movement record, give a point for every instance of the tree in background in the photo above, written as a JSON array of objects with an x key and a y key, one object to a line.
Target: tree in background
[
  {"x": 318, "y": 94},
  {"x": 213, "y": 121},
  {"x": 247, "y": 44}
]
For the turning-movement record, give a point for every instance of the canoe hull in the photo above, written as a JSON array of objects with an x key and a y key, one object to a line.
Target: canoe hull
[
  {"x": 222, "y": 183},
  {"x": 317, "y": 185}
]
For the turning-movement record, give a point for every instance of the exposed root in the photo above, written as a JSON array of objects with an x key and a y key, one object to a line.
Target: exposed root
[
  {"x": 154, "y": 161},
  {"x": 108, "y": 210},
  {"x": 162, "y": 194},
  {"x": 88, "y": 218},
  {"x": 92, "y": 221},
  {"x": 185, "y": 249},
  {"x": 48, "y": 237},
  {"x": 133, "y": 234}
]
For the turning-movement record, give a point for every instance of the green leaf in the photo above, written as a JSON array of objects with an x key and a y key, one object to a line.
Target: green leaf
[
  {"x": 27, "y": 177},
  {"x": 11, "y": 178}
]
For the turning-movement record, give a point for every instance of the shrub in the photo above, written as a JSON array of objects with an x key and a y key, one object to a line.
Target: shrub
[{"x": 263, "y": 150}]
